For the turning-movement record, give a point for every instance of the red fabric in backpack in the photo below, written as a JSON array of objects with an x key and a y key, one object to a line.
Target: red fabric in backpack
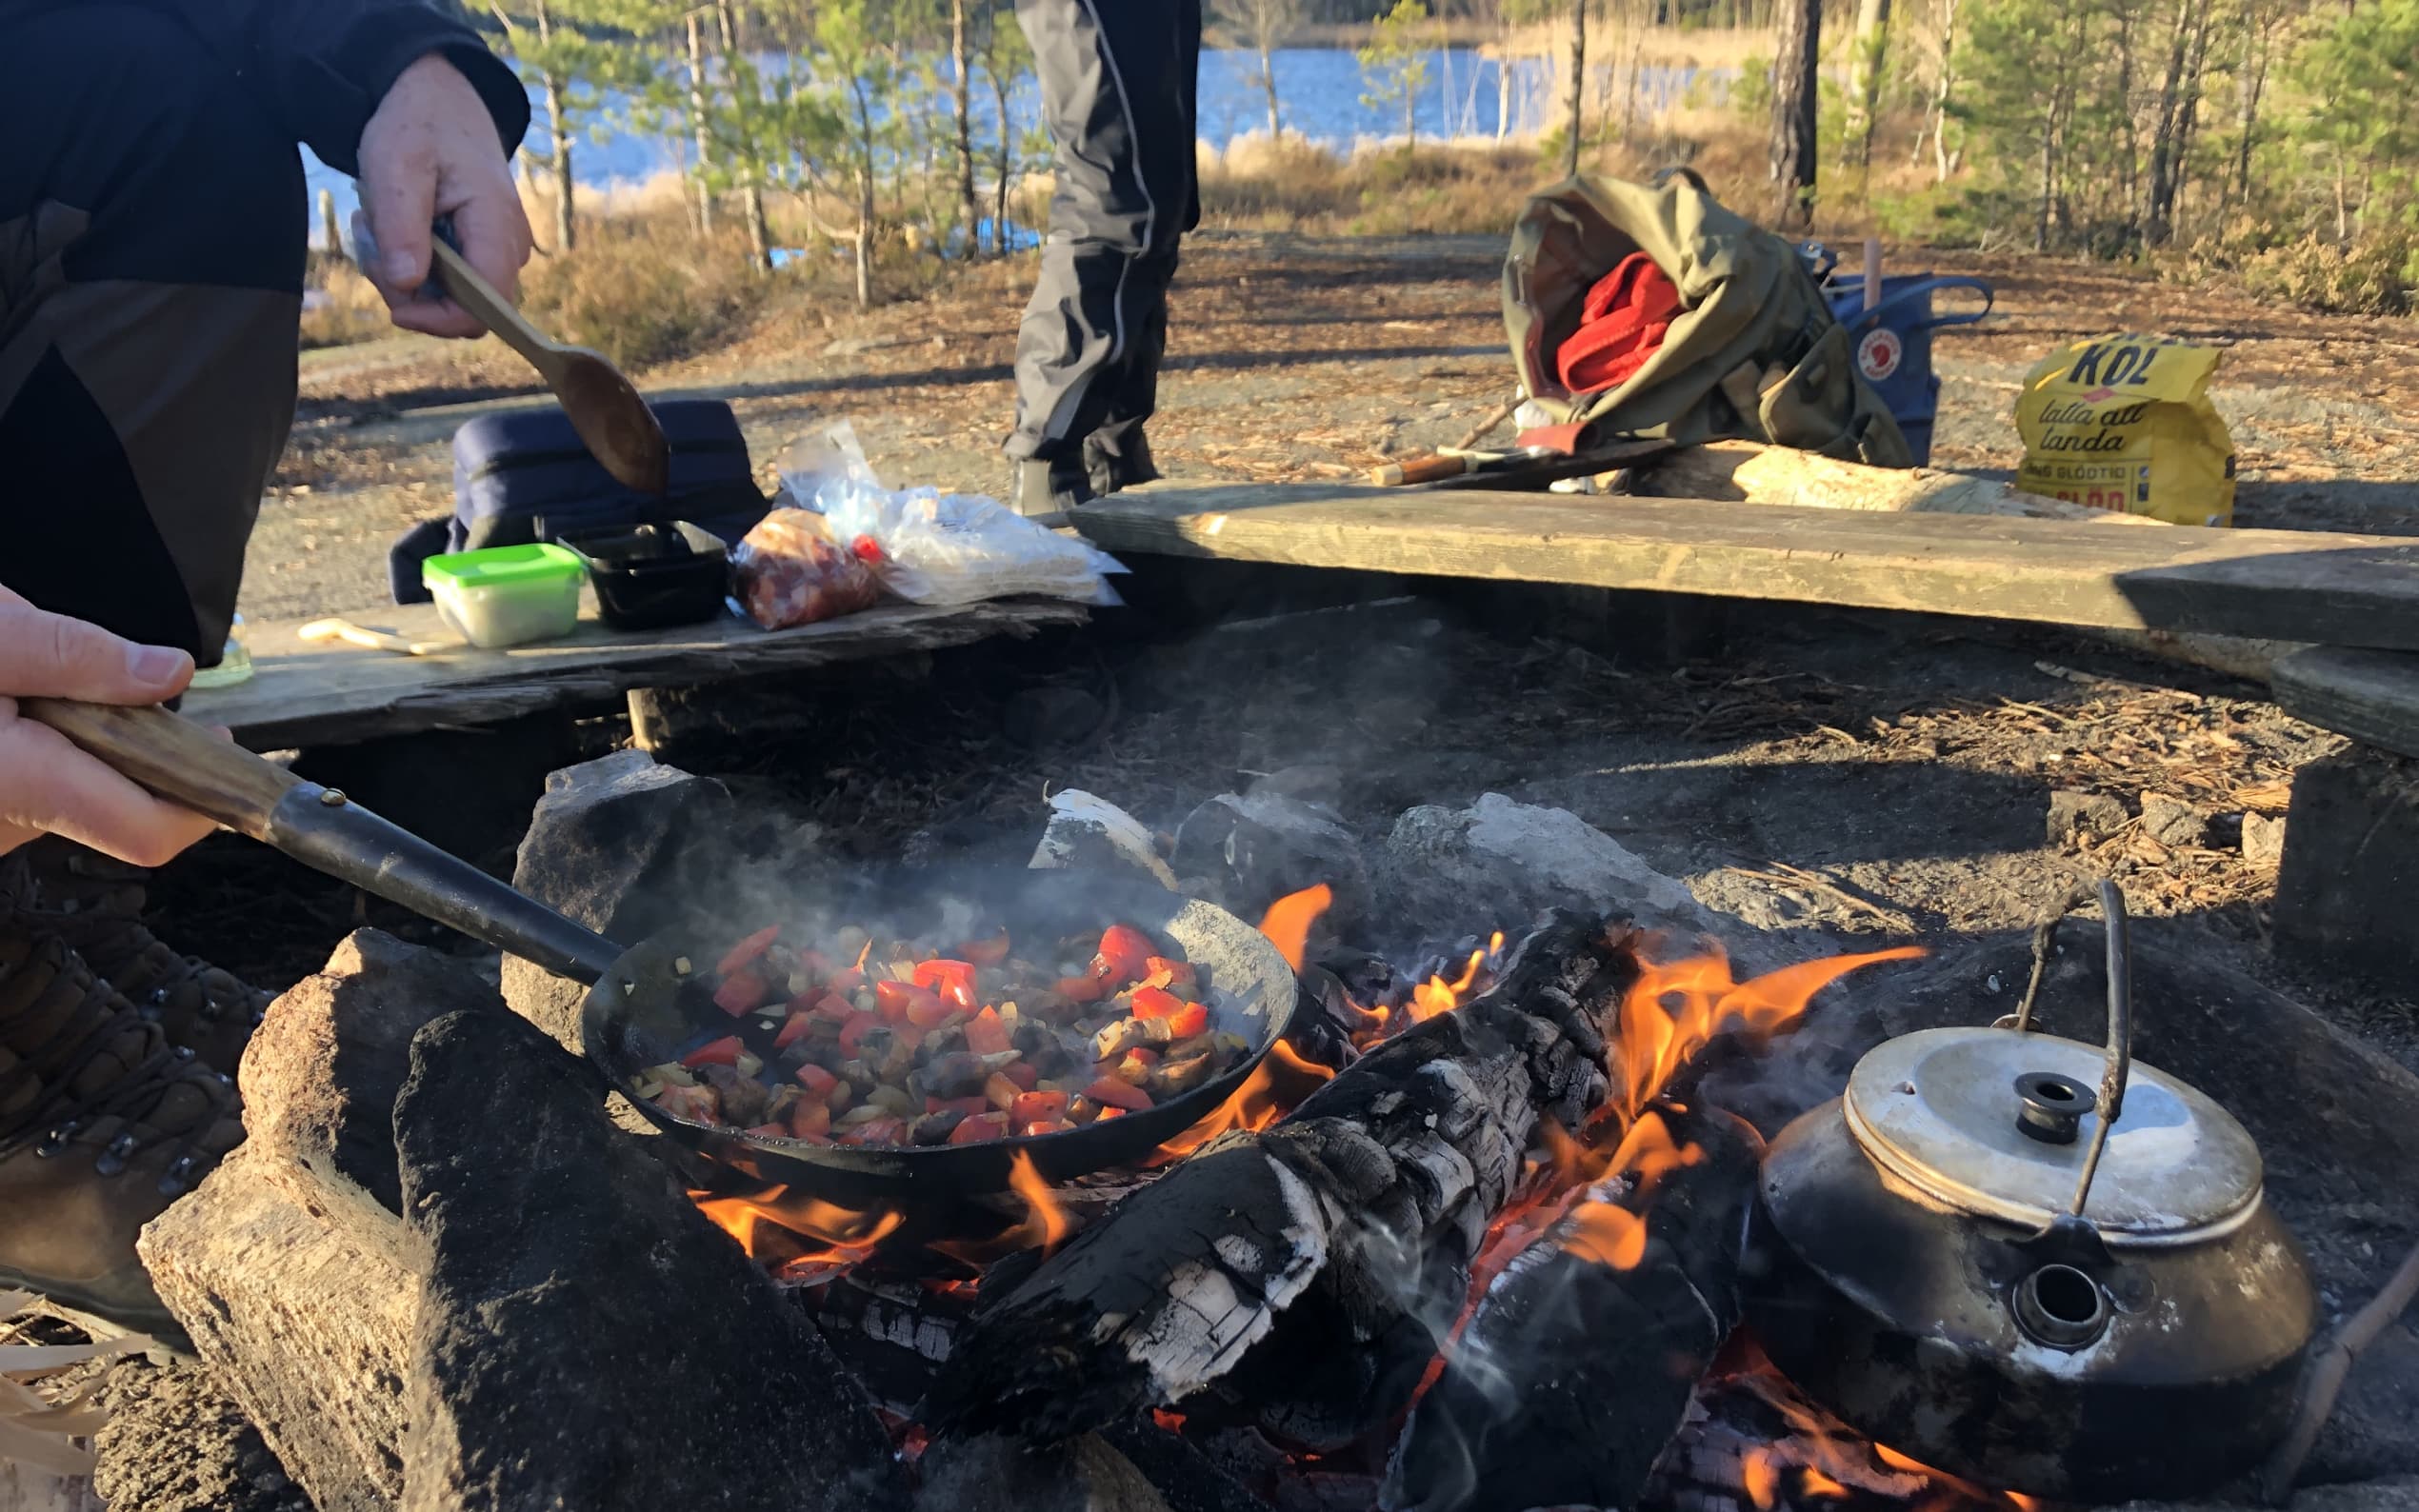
[{"x": 1622, "y": 324}]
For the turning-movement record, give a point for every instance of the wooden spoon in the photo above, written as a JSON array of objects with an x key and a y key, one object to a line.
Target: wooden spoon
[{"x": 613, "y": 421}]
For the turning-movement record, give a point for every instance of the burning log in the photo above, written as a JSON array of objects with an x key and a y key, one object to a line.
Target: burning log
[
  {"x": 1329, "y": 1225},
  {"x": 1582, "y": 1358}
]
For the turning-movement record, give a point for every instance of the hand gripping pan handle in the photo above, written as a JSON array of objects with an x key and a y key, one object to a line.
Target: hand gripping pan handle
[{"x": 177, "y": 760}]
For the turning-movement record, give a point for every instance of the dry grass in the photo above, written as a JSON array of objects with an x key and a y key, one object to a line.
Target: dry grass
[
  {"x": 340, "y": 306},
  {"x": 641, "y": 289}
]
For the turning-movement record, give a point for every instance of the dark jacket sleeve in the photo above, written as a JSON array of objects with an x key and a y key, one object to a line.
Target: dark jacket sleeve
[{"x": 322, "y": 66}]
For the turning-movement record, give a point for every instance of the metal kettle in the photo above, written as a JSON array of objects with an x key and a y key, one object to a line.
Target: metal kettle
[{"x": 2032, "y": 1262}]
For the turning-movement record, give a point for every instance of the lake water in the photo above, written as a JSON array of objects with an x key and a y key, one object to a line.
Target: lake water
[{"x": 1319, "y": 95}]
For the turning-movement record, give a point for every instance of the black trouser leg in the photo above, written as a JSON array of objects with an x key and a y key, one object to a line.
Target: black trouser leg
[
  {"x": 1118, "y": 80},
  {"x": 152, "y": 239}
]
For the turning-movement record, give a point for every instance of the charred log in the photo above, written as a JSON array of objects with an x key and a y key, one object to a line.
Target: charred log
[
  {"x": 1332, "y": 1223},
  {"x": 1574, "y": 1373}
]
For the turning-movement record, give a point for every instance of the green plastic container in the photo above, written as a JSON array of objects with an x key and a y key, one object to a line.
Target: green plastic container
[{"x": 506, "y": 595}]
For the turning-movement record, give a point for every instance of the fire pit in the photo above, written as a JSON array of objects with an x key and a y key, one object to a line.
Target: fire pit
[{"x": 1467, "y": 1236}]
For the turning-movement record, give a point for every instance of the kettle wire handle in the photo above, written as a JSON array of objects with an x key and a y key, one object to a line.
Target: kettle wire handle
[{"x": 2120, "y": 1047}]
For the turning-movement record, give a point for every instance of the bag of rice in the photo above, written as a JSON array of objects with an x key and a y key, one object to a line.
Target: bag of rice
[{"x": 2125, "y": 423}]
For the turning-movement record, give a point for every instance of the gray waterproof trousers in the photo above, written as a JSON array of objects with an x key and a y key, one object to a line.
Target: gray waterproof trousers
[{"x": 1118, "y": 81}]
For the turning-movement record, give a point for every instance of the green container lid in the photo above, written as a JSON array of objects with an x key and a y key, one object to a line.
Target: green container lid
[{"x": 504, "y": 566}]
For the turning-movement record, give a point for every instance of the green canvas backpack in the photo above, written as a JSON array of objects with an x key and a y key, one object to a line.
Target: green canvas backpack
[{"x": 1754, "y": 354}]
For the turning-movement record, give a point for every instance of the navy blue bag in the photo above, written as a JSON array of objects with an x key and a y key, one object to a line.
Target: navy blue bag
[{"x": 510, "y": 470}]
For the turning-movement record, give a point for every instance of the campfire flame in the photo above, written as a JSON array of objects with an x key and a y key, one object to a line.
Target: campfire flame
[
  {"x": 1288, "y": 920},
  {"x": 780, "y": 1229}
]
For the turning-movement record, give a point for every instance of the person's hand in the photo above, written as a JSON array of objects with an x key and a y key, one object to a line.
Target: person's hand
[
  {"x": 46, "y": 784},
  {"x": 431, "y": 150}
]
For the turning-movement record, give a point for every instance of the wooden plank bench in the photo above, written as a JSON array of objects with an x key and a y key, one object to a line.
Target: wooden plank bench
[
  {"x": 2268, "y": 585},
  {"x": 331, "y": 692}
]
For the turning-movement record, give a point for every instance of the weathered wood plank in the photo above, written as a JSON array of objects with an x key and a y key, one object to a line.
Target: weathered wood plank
[
  {"x": 327, "y": 692},
  {"x": 2274, "y": 585},
  {"x": 2371, "y": 696}
]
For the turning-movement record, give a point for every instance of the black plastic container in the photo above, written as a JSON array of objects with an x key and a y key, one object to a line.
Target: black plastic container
[{"x": 648, "y": 576}]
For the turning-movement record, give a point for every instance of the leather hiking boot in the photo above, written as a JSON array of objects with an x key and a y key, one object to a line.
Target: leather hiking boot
[
  {"x": 1044, "y": 491},
  {"x": 95, "y": 904},
  {"x": 102, "y": 1123}
]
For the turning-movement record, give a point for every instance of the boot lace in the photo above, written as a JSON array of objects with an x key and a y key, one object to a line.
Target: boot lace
[{"x": 53, "y": 1119}]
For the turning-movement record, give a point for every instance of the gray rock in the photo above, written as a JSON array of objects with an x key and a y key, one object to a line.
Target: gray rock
[
  {"x": 175, "y": 1443},
  {"x": 992, "y": 1473},
  {"x": 2352, "y": 865},
  {"x": 2263, "y": 840},
  {"x": 587, "y": 1338},
  {"x": 323, "y": 1070},
  {"x": 625, "y": 847},
  {"x": 1445, "y": 870},
  {"x": 1244, "y": 852},
  {"x": 2393, "y": 1494},
  {"x": 2074, "y": 814},
  {"x": 2174, "y": 822},
  {"x": 1313, "y": 784}
]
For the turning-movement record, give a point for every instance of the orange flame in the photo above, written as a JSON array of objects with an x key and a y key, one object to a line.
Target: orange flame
[
  {"x": 1288, "y": 920},
  {"x": 1760, "y": 1477},
  {"x": 778, "y": 1227},
  {"x": 1436, "y": 995},
  {"x": 1672, "y": 1011},
  {"x": 1812, "y": 1481},
  {"x": 1273, "y": 1089}
]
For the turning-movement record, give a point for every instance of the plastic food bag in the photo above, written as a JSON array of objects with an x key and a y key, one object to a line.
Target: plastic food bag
[
  {"x": 2125, "y": 423},
  {"x": 933, "y": 547},
  {"x": 791, "y": 570}
]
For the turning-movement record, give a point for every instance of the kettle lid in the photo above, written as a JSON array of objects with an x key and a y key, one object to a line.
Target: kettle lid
[{"x": 1997, "y": 1123}]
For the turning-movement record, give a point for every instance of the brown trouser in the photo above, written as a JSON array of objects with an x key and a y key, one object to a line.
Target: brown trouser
[{"x": 151, "y": 242}]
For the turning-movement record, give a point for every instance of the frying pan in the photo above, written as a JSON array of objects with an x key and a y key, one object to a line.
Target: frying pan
[{"x": 643, "y": 1007}]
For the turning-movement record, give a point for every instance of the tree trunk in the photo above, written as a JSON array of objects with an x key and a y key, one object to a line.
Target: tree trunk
[
  {"x": 864, "y": 199},
  {"x": 1866, "y": 59},
  {"x": 1504, "y": 62},
  {"x": 559, "y": 139},
  {"x": 1444, "y": 61},
  {"x": 969, "y": 209},
  {"x": 328, "y": 230},
  {"x": 2254, "y": 81},
  {"x": 1268, "y": 83},
  {"x": 2190, "y": 124},
  {"x": 1795, "y": 99},
  {"x": 1007, "y": 164},
  {"x": 1944, "y": 163},
  {"x": 2166, "y": 155},
  {"x": 697, "y": 126},
  {"x": 1575, "y": 91},
  {"x": 751, "y": 190},
  {"x": 2048, "y": 179}
]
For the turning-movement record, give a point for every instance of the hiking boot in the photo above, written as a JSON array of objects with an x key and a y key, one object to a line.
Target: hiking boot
[
  {"x": 102, "y": 1123},
  {"x": 1045, "y": 490},
  {"x": 95, "y": 903},
  {"x": 1131, "y": 464}
]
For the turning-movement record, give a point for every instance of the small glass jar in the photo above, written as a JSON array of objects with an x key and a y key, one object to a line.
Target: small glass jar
[{"x": 234, "y": 662}]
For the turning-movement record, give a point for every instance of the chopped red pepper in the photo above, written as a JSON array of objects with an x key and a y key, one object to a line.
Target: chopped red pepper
[
  {"x": 1117, "y": 1094},
  {"x": 1082, "y": 990},
  {"x": 928, "y": 1011},
  {"x": 809, "y": 1120},
  {"x": 794, "y": 1029},
  {"x": 1125, "y": 955},
  {"x": 890, "y": 999},
  {"x": 724, "y": 1051},
  {"x": 833, "y": 1006},
  {"x": 1041, "y": 1126},
  {"x": 1023, "y": 1073},
  {"x": 986, "y": 952},
  {"x": 746, "y": 950},
  {"x": 816, "y": 963},
  {"x": 1155, "y": 1003},
  {"x": 1036, "y": 1107},
  {"x": 1108, "y": 1113},
  {"x": 845, "y": 982},
  {"x": 1179, "y": 973},
  {"x": 969, "y": 1106},
  {"x": 877, "y": 1131},
  {"x": 979, "y": 1127},
  {"x": 952, "y": 980},
  {"x": 986, "y": 1034},
  {"x": 817, "y": 1081},
  {"x": 740, "y": 991},
  {"x": 1189, "y": 1021},
  {"x": 853, "y": 1032}
]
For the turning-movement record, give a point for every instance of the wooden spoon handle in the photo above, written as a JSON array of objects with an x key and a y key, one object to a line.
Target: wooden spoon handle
[
  {"x": 174, "y": 758},
  {"x": 475, "y": 294}
]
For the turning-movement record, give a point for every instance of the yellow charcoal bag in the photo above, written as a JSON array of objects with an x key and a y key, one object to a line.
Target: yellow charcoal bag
[{"x": 2125, "y": 423}]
